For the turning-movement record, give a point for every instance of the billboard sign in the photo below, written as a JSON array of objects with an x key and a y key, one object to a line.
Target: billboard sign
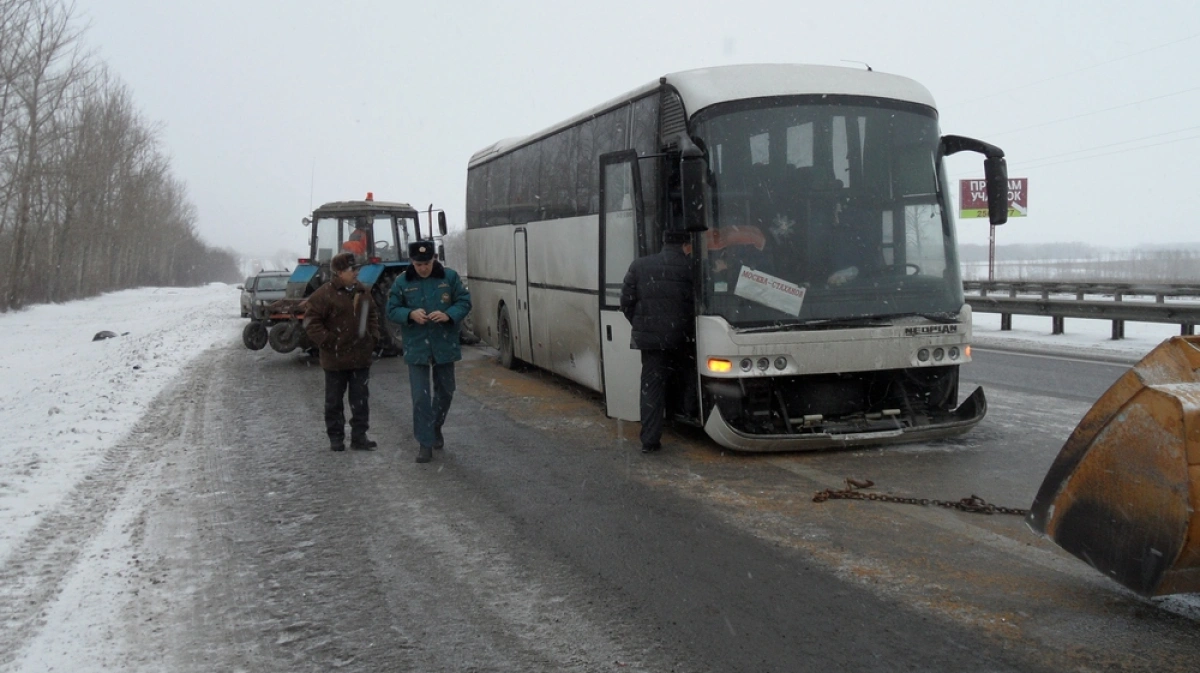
[{"x": 972, "y": 198}]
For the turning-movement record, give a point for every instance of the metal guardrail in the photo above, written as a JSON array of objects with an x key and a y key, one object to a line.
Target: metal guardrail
[
  {"x": 1157, "y": 290},
  {"x": 1186, "y": 315}
]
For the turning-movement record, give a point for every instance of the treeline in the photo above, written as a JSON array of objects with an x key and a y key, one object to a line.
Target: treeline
[
  {"x": 88, "y": 203},
  {"x": 1083, "y": 263}
]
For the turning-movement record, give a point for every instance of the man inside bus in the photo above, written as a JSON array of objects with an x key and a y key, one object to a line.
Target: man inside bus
[
  {"x": 731, "y": 248},
  {"x": 656, "y": 298},
  {"x": 857, "y": 251}
]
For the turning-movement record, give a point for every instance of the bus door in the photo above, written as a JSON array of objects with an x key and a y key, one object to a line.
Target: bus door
[
  {"x": 522, "y": 347},
  {"x": 620, "y": 219}
]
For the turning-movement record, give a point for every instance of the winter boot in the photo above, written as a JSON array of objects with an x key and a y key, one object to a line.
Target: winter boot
[
  {"x": 425, "y": 454},
  {"x": 337, "y": 444},
  {"x": 438, "y": 442},
  {"x": 361, "y": 443}
]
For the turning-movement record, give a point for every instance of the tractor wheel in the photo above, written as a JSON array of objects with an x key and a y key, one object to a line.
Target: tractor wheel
[
  {"x": 504, "y": 327},
  {"x": 254, "y": 335},
  {"x": 285, "y": 337},
  {"x": 391, "y": 344},
  {"x": 466, "y": 335}
]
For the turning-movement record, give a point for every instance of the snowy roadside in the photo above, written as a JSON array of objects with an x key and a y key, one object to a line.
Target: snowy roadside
[
  {"x": 65, "y": 399},
  {"x": 1083, "y": 338}
]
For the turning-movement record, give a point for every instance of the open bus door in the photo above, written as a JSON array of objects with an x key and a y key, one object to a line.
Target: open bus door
[{"x": 620, "y": 217}]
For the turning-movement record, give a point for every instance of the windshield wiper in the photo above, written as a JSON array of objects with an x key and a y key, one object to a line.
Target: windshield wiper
[
  {"x": 943, "y": 317},
  {"x": 825, "y": 323}
]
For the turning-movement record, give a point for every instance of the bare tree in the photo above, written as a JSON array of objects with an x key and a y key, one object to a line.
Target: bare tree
[{"x": 40, "y": 84}]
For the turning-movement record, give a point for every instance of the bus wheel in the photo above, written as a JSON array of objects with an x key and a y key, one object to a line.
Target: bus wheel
[{"x": 504, "y": 327}]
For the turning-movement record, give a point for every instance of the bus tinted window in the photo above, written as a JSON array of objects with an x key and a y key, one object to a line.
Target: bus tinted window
[
  {"x": 523, "y": 186},
  {"x": 587, "y": 180},
  {"x": 498, "y": 211},
  {"x": 476, "y": 195}
]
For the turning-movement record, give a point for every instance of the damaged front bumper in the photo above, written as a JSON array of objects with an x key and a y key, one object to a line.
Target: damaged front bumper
[{"x": 962, "y": 419}]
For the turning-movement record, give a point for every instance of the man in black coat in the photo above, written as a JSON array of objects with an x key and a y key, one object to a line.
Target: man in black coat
[{"x": 658, "y": 300}]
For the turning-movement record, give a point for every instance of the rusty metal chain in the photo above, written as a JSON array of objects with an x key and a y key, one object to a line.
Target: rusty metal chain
[{"x": 854, "y": 491}]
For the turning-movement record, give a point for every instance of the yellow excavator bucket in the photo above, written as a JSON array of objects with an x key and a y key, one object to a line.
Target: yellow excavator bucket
[{"x": 1124, "y": 492}]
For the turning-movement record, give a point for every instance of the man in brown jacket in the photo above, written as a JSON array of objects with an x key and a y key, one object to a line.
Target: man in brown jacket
[{"x": 342, "y": 320}]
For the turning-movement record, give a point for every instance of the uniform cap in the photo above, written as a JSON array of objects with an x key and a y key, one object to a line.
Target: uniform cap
[{"x": 420, "y": 251}]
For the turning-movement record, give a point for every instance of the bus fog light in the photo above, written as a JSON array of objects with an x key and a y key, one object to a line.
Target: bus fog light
[
  {"x": 746, "y": 364},
  {"x": 763, "y": 363},
  {"x": 780, "y": 363},
  {"x": 938, "y": 354},
  {"x": 954, "y": 353},
  {"x": 923, "y": 355},
  {"x": 719, "y": 365}
]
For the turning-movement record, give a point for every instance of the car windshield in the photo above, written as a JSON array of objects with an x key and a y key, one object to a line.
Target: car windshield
[
  {"x": 271, "y": 283},
  {"x": 823, "y": 209}
]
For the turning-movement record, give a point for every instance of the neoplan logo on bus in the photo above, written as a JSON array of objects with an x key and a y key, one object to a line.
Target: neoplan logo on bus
[{"x": 930, "y": 329}]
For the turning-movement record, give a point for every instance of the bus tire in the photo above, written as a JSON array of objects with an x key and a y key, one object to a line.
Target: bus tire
[{"x": 504, "y": 329}]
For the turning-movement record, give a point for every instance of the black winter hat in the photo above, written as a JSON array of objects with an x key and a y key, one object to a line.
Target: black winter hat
[{"x": 676, "y": 237}]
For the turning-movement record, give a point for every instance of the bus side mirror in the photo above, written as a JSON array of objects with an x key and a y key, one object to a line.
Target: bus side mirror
[
  {"x": 442, "y": 222},
  {"x": 693, "y": 174},
  {"x": 995, "y": 173}
]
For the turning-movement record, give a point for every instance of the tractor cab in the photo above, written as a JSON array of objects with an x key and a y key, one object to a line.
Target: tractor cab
[{"x": 377, "y": 233}]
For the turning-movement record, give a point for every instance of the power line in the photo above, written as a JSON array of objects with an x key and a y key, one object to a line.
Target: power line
[
  {"x": 1079, "y": 70},
  {"x": 1105, "y": 154},
  {"x": 1095, "y": 112},
  {"x": 1123, "y": 142}
]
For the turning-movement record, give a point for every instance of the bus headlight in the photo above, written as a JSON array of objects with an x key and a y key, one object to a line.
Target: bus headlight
[
  {"x": 719, "y": 365},
  {"x": 938, "y": 354},
  {"x": 763, "y": 363},
  {"x": 781, "y": 362},
  {"x": 746, "y": 364},
  {"x": 923, "y": 355},
  {"x": 954, "y": 352}
]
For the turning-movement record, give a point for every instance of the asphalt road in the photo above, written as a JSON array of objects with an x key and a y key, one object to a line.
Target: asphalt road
[{"x": 540, "y": 539}]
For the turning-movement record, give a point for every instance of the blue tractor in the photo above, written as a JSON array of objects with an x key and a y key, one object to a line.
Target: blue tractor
[{"x": 378, "y": 234}]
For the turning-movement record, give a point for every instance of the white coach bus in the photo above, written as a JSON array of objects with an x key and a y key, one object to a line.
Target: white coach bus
[{"x": 829, "y": 305}]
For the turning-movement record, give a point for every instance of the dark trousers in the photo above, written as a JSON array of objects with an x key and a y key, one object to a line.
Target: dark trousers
[
  {"x": 336, "y": 383},
  {"x": 662, "y": 371},
  {"x": 432, "y": 391}
]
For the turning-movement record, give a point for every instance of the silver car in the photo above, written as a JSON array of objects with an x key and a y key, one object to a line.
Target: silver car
[{"x": 263, "y": 289}]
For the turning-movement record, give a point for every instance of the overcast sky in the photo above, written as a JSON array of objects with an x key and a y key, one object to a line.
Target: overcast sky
[{"x": 270, "y": 107}]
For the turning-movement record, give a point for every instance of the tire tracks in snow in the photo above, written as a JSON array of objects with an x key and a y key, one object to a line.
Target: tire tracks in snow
[{"x": 34, "y": 575}]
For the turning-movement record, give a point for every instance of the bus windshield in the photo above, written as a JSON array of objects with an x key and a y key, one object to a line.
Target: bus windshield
[{"x": 825, "y": 208}]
